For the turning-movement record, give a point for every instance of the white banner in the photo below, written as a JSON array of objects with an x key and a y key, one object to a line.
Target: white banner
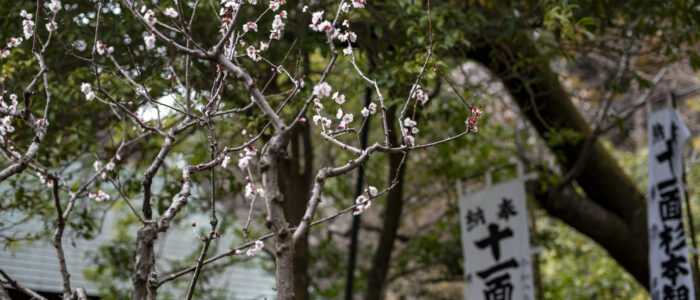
[
  {"x": 669, "y": 266},
  {"x": 496, "y": 243}
]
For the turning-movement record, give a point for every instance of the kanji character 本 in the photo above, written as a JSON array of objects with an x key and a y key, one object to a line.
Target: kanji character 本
[
  {"x": 474, "y": 218},
  {"x": 506, "y": 209},
  {"x": 500, "y": 288},
  {"x": 681, "y": 293},
  {"x": 673, "y": 267},
  {"x": 494, "y": 239},
  {"x": 657, "y": 131}
]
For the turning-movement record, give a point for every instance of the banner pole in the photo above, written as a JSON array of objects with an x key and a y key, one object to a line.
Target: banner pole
[{"x": 688, "y": 211}]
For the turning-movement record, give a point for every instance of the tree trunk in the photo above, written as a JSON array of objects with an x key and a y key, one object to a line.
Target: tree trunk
[
  {"x": 276, "y": 220},
  {"x": 614, "y": 204},
  {"x": 145, "y": 263},
  {"x": 295, "y": 184},
  {"x": 376, "y": 277}
]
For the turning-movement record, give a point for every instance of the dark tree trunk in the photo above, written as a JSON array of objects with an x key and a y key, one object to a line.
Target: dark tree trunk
[
  {"x": 614, "y": 213},
  {"x": 376, "y": 277},
  {"x": 295, "y": 184}
]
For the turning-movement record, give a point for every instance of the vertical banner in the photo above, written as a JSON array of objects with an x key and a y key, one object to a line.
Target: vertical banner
[
  {"x": 669, "y": 266},
  {"x": 496, "y": 243}
]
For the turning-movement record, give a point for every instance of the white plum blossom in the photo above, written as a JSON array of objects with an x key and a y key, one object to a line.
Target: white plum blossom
[
  {"x": 316, "y": 118},
  {"x": 225, "y": 161},
  {"x": 28, "y": 28},
  {"x": 359, "y": 3},
  {"x": 100, "y": 196},
  {"x": 339, "y": 114},
  {"x": 87, "y": 90},
  {"x": 283, "y": 14},
  {"x": 253, "y": 2},
  {"x": 264, "y": 46},
  {"x": 231, "y": 4},
  {"x": 85, "y": 87},
  {"x": 97, "y": 165},
  {"x": 109, "y": 166},
  {"x": 277, "y": 23},
  {"x": 317, "y": 17},
  {"x": 258, "y": 247},
  {"x": 100, "y": 47},
  {"x": 317, "y": 104},
  {"x": 150, "y": 41},
  {"x": 170, "y": 12},
  {"x": 348, "y": 36},
  {"x": 275, "y": 34},
  {"x": 409, "y": 123},
  {"x": 317, "y": 22},
  {"x": 250, "y": 26},
  {"x": 249, "y": 191},
  {"x": 347, "y": 50},
  {"x": 372, "y": 108},
  {"x": 365, "y": 112},
  {"x": 325, "y": 26},
  {"x": 150, "y": 17},
  {"x": 322, "y": 90},
  {"x": 420, "y": 95},
  {"x": 305, "y": 9},
  {"x": 244, "y": 161},
  {"x": 51, "y": 26},
  {"x": 274, "y": 5},
  {"x": 347, "y": 119},
  {"x": 363, "y": 204},
  {"x": 253, "y": 54},
  {"x": 345, "y": 7},
  {"x": 372, "y": 191},
  {"x": 14, "y": 42},
  {"x": 250, "y": 151},
  {"x": 325, "y": 121},
  {"x": 54, "y": 6},
  {"x": 340, "y": 99}
]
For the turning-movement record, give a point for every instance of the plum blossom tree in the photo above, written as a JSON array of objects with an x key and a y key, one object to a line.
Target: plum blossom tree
[{"x": 237, "y": 54}]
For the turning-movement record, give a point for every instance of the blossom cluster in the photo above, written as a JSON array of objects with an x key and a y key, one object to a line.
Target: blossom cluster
[
  {"x": 419, "y": 95},
  {"x": 258, "y": 247},
  {"x": 409, "y": 131},
  {"x": 86, "y": 88},
  {"x": 43, "y": 180},
  {"x": 100, "y": 196},
  {"x": 251, "y": 192},
  {"x": 474, "y": 118},
  {"x": 6, "y": 122},
  {"x": 97, "y": 165},
  {"x": 363, "y": 202},
  {"x": 102, "y": 48},
  {"x": 27, "y": 32}
]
